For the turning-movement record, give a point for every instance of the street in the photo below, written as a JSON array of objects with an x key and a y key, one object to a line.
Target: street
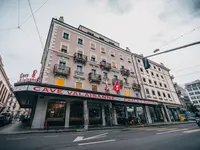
[{"x": 174, "y": 137}]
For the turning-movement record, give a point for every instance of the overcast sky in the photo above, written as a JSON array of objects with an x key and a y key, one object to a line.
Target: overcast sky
[{"x": 141, "y": 25}]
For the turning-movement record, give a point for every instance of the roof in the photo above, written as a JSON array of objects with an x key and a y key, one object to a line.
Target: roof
[{"x": 193, "y": 82}]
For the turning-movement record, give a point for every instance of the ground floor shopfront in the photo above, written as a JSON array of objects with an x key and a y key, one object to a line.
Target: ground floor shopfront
[{"x": 67, "y": 107}]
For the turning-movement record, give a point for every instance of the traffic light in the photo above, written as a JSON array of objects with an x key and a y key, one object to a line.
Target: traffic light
[{"x": 146, "y": 63}]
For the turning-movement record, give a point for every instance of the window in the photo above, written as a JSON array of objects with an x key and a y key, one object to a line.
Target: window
[
  {"x": 121, "y": 57},
  {"x": 93, "y": 58},
  {"x": 161, "y": 76},
  {"x": 152, "y": 73},
  {"x": 144, "y": 80},
  {"x": 155, "y": 82},
  {"x": 60, "y": 82},
  {"x": 191, "y": 93},
  {"x": 147, "y": 71},
  {"x": 159, "y": 93},
  {"x": 165, "y": 85},
  {"x": 78, "y": 85},
  {"x": 93, "y": 46},
  {"x": 159, "y": 69},
  {"x": 147, "y": 91},
  {"x": 66, "y": 35},
  {"x": 127, "y": 93},
  {"x": 115, "y": 77},
  {"x": 112, "y": 53},
  {"x": 154, "y": 67},
  {"x": 150, "y": 81},
  {"x": 153, "y": 92},
  {"x": 62, "y": 65},
  {"x": 80, "y": 41},
  {"x": 169, "y": 96},
  {"x": 103, "y": 50},
  {"x": 125, "y": 80},
  {"x": 93, "y": 71},
  {"x": 189, "y": 89},
  {"x": 139, "y": 60},
  {"x": 164, "y": 94},
  {"x": 94, "y": 88},
  {"x": 64, "y": 48},
  {"x": 160, "y": 84},
  {"x": 114, "y": 64},
  {"x": 141, "y": 69},
  {"x": 157, "y": 75},
  {"x": 195, "y": 88},
  {"x": 129, "y": 60},
  {"x": 79, "y": 68},
  {"x": 105, "y": 75}
]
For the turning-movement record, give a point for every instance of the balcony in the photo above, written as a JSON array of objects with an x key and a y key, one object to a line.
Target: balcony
[
  {"x": 105, "y": 66},
  {"x": 61, "y": 70},
  {"x": 120, "y": 82},
  {"x": 125, "y": 72},
  {"x": 80, "y": 58},
  {"x": 94, "y": 78},
  {"x": 136, "y": 87}
]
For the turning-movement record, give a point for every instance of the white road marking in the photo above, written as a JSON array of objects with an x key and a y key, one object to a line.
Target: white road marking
[
  {"x": 16, "y": 139},
  {"x": 81, "y": 138},
  {"x": 49, "y": 136},
  {"x": 191, "y": 131},
  {"x": 98, "y": 142},
  {"x": 171, "y": 131}
]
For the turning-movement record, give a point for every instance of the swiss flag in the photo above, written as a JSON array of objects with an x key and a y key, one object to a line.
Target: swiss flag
[{"x": 117, "y": 87}]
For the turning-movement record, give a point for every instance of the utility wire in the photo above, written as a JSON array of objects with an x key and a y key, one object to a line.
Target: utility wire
[
  {"x": 33, "y": 13},
  {"x": 36, "y": 24},
  {"x": 186, "y": 68},
  {"x": 188, "y": 74},
  {"x": 18, "y": 14}
]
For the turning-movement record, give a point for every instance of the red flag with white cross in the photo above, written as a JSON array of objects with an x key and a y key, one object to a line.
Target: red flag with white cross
[{"x": 117, "y": 87}]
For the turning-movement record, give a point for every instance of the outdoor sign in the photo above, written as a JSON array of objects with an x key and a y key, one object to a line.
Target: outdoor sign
[
  {"x": 117, "y": 87},
  {"x": 25, "y": 77},
  {"x": 79, "y": 94}
]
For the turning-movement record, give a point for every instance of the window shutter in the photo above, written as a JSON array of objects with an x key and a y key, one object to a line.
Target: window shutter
[
  {"x": 64, "y": 47},
  {"x": 60, "y": 82},
  {"x": 94, "y": 88},
  {"x": 78, "y": 85},
  {"x": 127, "y": 93}
]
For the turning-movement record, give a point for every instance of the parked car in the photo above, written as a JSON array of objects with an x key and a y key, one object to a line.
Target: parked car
[
  {"x": 2, "y": 120},
  {"x": 8, "y": 117}
]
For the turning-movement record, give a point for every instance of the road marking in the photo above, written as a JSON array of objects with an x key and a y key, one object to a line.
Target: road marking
[
  {"x": 16, "y": 139},
  {"x": 98, "y": 142},
  {"x": 172, "y": 131},
  {"x": 191, "y": 131},
  {"x": 157, "y": 129},
  {"x": 49, "y": 136},
  {"x": 81, "y": 138}
]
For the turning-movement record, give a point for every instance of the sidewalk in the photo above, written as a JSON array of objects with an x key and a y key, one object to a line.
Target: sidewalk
[{"x": 18, "y": 128}]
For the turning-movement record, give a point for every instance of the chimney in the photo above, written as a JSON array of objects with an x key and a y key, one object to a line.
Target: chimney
[{"x": 61, "y": 18}]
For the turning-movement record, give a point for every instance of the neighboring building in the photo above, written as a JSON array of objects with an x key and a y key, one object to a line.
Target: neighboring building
[
  {"x": 183, "y": 96},
  {"x": 77, "y": 64},
  {"x": 193, "y": 90},
  {"x": 12, "y": 105},
  {"x": 5, "y": 87}
]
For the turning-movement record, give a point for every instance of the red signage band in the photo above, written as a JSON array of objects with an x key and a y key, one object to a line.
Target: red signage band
[{"x": 80, "y": 94}]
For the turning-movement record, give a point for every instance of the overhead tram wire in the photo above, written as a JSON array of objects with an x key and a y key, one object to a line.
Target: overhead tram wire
[
  {"x": 36, "y": 24},
  {"x": 18, "y": 13},
  {"x": 186, "y": 68},
  {"x": 33, "y": 13},
  {"x": 188, "y": 74}
]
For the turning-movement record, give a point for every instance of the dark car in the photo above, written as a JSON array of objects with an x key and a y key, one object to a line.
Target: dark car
[
  {"x": 8, "y": 117},
  {"x": 2, "y": 120}
]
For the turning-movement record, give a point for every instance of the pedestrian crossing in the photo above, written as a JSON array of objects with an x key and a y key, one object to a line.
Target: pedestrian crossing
[{"x": 162, "y": 130}]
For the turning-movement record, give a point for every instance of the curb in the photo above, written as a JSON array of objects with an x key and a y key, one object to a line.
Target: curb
[{"x": 123, "y": 128}]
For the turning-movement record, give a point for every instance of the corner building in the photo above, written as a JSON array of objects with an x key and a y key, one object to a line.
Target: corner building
[{"x": 77, "y": 64}]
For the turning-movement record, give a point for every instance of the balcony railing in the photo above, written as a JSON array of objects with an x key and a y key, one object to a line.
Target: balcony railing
[
  {"x": 80, "y": 58},
  {"x": 136, "y": 87},
  {"x": 94, "y": 78},
  {"x": 105, "y": 66},
  {"x": 125, "y": 72},
  {"x": 61, "y": 70},
  {"x": 120, "y": 82}
]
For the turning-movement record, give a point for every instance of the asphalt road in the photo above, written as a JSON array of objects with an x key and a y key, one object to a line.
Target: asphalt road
[{"x": 176, "y": 137}]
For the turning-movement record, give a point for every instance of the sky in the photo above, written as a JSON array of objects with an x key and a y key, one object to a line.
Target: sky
[{"x": 141, "y": 25}]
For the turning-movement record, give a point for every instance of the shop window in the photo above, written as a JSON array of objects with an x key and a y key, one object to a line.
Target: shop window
[
  {"x": 56, "y": 113},
  {"x": 94, "y": 88},
  {"x": 76, "y": 117},
  {"x": 60, "y": 82},
  {"x": 79, "y": 85},
  {"x": 127, "y": 93}
]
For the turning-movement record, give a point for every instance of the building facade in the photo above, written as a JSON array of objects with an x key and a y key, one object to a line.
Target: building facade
[
  {"x": 193, "y": 91},
  {"x": 5, "y": 87},
  {"x": 80, "y": 68}
]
